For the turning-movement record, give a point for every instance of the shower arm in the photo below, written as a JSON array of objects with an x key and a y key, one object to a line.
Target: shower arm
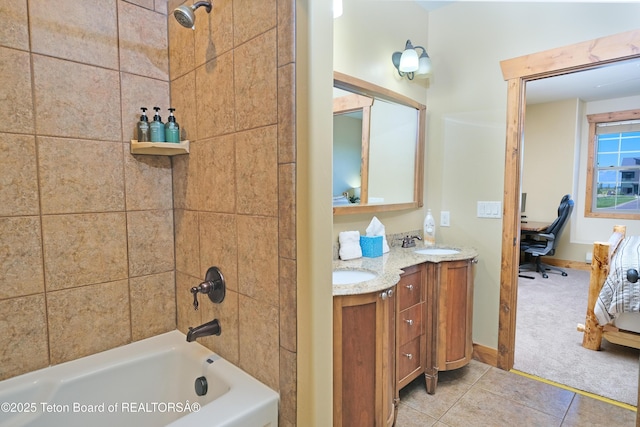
[{"x": 206, "y": 4}]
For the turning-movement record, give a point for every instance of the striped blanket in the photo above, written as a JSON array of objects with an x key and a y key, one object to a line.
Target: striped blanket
[{"x": 618, "y": 295}]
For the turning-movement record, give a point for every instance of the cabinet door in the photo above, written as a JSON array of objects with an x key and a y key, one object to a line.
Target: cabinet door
[
  {"x": 364, "y": 359},
  {"x": 455, "y": 314}
]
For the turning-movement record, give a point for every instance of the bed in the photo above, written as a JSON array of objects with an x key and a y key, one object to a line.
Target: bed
[{"x": 610, "y": 313}]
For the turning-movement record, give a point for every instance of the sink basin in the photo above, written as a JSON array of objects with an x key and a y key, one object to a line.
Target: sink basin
[
  {"x": 345, "y": 277},
  {"x": 437, "y": 251}
]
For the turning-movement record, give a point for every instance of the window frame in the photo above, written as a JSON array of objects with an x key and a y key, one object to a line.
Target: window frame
[{"x": 594, "y": 119}]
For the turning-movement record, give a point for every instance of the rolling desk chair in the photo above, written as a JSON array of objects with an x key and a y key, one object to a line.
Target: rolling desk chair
[{"x": 544, "y": 243}]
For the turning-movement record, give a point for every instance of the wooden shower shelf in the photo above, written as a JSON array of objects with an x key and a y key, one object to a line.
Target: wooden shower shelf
[{"x": 160, "y": 148}]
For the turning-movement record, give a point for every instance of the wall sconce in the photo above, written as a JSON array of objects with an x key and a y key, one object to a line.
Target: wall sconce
[
  {"x": 409, "y": 64},
  {"x": 337, "y": 8}
]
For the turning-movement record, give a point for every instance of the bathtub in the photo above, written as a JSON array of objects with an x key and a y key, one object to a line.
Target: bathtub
[{"x": 146, "y": 383}]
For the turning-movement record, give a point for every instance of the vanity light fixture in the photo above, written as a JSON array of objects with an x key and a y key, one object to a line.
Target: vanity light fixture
[
  {"x": 337, "y": 8},
  {"x": 409, "y": 64}
]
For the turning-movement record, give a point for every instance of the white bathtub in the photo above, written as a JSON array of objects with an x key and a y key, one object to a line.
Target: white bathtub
[{"x": 146, "y": 383}]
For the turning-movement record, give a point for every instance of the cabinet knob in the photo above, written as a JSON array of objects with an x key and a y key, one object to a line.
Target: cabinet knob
[
  {"x": 410, "y": 287},
  {"x": 386, "y": 294},
  {"x": 409, "y": 322},
  {"x": 408, "y": 355}
]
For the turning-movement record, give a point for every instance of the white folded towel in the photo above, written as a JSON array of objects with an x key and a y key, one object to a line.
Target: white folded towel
[
  {"x": 349, "y": 245},
  {"x": 376, "y": 228}
]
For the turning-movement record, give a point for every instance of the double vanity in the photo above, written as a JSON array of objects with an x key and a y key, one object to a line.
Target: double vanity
[{"x": 396, "y": 317}]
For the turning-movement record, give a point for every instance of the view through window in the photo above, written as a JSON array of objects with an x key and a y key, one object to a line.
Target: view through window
[{"x": 614, "y": 172}]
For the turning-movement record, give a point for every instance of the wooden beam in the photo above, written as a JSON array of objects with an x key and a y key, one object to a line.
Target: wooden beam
[{"x": 573, "y": 57}]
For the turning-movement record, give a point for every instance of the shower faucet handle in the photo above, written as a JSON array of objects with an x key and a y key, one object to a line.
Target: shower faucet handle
[{"x": 214, "y": 286}]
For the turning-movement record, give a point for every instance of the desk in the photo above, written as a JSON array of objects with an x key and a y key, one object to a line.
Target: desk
[{"x": 533, "y": 226}]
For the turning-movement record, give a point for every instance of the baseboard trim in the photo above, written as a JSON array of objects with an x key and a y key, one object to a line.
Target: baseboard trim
[
  {"x": 486, "y": 355},
  {"x": 567, "y": 263}
]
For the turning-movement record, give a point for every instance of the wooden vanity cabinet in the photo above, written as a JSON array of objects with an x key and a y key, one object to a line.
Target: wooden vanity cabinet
[
  {"x": 364, "y": 385},
  {"x": 411, "y": 325},
  {"x": 450, "y": 345}
]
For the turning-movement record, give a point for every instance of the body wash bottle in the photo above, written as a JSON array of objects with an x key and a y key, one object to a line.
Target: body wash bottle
[
  {"x": 157, "y": 127},
  {"x": 429, "y": 232},
  {"x": 171, "y": 128},
  {"x": 142, "y": 127}
]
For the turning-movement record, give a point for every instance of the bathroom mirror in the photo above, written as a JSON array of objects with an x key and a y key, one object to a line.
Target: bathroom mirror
[{"x": 378, "y": 148}]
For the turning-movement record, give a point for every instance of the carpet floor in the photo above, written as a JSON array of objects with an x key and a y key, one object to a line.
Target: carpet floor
[{"x": 549, "y": 346}]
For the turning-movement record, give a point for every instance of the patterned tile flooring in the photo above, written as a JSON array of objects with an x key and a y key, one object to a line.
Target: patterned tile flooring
[{"x": 481, "y": 395}]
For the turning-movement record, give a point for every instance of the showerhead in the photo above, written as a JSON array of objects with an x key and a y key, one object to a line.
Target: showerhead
[{"x": 185, "y": 14}]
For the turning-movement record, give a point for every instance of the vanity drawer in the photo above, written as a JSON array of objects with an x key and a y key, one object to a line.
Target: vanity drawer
[
  {"x": 409, "y": 288},
  {"x": 408, "y": 358},
  {"x": 410, "y": 323}
]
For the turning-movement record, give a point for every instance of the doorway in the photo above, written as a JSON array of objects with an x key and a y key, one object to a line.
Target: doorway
[{"x": 517, "y": 72}]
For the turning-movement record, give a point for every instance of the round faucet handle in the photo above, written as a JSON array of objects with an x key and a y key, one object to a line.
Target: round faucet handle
[{"x": 214, "y": 286}]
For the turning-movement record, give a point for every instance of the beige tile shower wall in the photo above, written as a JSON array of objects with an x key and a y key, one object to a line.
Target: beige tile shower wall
[
  {"x": 86, "y": 229},
  {"x": 234, "y": 195}
]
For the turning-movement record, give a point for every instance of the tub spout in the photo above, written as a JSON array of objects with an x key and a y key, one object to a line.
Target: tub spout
[{"x": 204, "y": 330}]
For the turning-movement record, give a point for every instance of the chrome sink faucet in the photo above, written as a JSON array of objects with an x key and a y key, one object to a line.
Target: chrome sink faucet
[
  {"x": 408, "y": 242},
  {"x": 204, "y": 330}
]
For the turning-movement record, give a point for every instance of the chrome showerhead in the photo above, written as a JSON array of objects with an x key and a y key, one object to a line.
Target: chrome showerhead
[{"x": 185, "y": 14}]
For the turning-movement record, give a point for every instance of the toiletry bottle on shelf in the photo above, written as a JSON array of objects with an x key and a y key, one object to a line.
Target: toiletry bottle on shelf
[
  {"x": 429, "y": 229},
  {"x": 157, "y": 127},
  {"x": 142, "y": 127},
  {"x": 171, "y": 128}
]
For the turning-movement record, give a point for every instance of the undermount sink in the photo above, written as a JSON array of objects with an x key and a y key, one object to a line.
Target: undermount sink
[
  {"x": 437, "y": 251},
  {"x": 345, "y": 277}
]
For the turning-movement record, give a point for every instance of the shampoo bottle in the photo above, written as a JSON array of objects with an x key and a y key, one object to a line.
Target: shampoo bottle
[
  {"x": 429, "y": 229},
  {"x": 157, "y": 127},
  {"x": 171, "y": 128},
  {"x": 142, "y": 127}
]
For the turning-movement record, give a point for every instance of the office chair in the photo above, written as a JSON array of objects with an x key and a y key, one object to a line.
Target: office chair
[{"x": 544, "y": 243}]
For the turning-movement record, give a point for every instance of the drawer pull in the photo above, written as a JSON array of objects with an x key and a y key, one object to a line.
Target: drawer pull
[
  {"x": 408, "y": 355},
  {"x": 410, "y": 287},
  {"x": 409, "y": 322}
]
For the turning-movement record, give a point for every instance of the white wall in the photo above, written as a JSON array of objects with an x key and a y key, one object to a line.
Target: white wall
[
  {"x": 551, "y": 144},
  {"x": 467, "y": 114}
]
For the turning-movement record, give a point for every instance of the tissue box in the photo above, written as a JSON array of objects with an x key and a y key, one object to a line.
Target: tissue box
[{"x": 371, "y": 246}]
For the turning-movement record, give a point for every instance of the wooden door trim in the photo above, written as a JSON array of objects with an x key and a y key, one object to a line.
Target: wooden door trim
[{"x": 517, "y": 72}]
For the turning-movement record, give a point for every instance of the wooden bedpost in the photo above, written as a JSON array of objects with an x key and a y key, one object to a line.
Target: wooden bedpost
[{"x": 599, "y": 271}]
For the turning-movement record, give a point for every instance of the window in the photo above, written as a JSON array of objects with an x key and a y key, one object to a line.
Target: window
[{"x": 613, "y": 172}]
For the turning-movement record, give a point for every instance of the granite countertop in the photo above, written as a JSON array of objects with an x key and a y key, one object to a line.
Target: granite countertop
[{"x": 390, "y": 266}]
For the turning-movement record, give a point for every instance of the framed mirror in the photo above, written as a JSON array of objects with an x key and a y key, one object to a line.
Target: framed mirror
[{"x": 378, "y": 148}]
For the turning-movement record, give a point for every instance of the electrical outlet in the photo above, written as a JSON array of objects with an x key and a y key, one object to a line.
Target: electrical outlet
[{"x": 444, "y": 218}]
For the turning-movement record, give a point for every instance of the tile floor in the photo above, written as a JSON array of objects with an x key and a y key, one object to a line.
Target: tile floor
[{"x": 481, "y": 395}]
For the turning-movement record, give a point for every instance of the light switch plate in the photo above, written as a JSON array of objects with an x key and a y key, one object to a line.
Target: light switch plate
[{"x": 489, "y": 210}]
